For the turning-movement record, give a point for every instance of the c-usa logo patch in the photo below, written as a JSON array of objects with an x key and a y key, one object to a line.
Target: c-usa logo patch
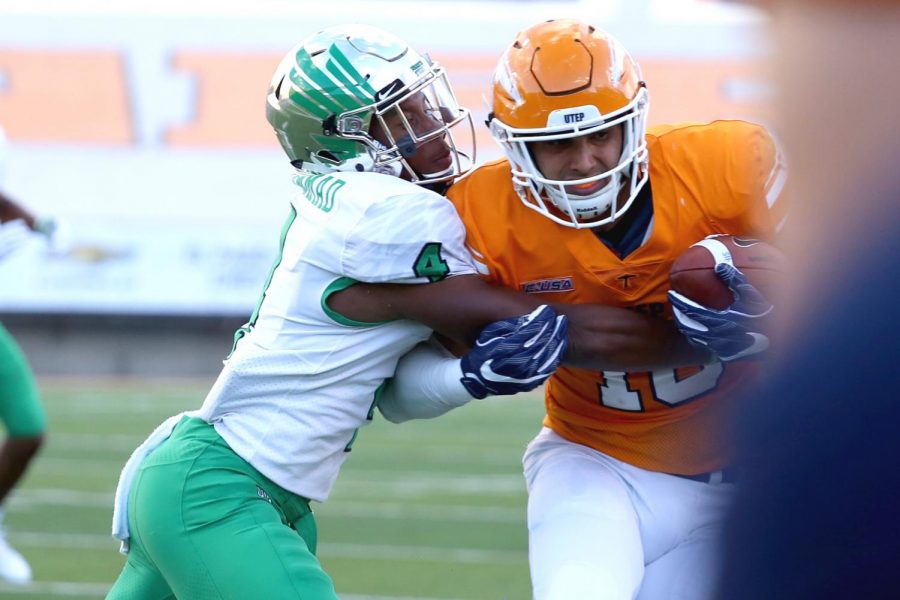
[{"x": 556, "y": 284}]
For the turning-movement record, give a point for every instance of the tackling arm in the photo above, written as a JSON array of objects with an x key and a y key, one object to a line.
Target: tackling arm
[
  {"x": 618, "y": 339},
  {"x": 457, "y": 307},
  {"x": 510, "y": 356},
  {"x": 600, "y": 337}
]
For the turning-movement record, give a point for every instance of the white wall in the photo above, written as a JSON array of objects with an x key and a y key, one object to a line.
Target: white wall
[{"x": 175, "y": 216}]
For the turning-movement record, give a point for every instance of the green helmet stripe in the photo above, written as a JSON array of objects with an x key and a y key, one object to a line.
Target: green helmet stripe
[
  {"x": 315, "y": 95},
  {"x": 336, "y": 89},
  {"x": 313, "y": 82},
  {"x": 302, "y": 99},
  {"x": 358, "y": 94},
  {"x": 342, "y": 91}
]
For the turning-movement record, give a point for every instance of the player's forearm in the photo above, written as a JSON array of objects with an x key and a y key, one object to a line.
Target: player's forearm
[
  {"x": 10, "y": 211},
  {"x": 610, "y": 338},
  {"x": 457, "y": 307},
  {"x": 425, "y": 385},
  {"x": 601, "y": 337},
  {"x": 15, "y": 455}
]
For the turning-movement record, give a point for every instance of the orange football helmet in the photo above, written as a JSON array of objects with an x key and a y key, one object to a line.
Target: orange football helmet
[{"x": 562, "y": 79}]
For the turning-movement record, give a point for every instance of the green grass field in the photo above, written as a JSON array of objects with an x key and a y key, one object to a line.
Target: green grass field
[{"x": 424, "y": 510}]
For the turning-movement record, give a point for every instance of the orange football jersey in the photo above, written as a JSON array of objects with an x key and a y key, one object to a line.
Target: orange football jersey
[{"x": 722, "y": 177}]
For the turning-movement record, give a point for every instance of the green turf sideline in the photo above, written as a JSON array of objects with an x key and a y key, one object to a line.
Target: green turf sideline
[{"x": 427, "y": 510}]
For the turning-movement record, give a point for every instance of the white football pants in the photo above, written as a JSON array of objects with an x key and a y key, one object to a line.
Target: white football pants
[{"x": 601, "y": 529}]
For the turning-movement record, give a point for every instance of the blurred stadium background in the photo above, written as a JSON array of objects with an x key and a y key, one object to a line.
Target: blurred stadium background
[{"x": 141, "y": 125}]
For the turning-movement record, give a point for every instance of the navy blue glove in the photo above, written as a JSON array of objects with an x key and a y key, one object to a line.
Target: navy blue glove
[
  {"x": 515, "y": 355},
  {"x": 733, "y": 333}
]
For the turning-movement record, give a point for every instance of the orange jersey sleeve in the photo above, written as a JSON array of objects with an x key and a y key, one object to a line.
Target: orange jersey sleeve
[{"x": 705, "y": 179}]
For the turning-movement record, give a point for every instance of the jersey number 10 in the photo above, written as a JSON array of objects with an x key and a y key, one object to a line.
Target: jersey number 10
[{"x": 632, "y": 391}]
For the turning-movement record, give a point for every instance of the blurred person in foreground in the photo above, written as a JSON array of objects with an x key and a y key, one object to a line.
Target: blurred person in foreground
[
  {"x": 631, "y": 475},
  {"x": 216, "y": 503},
  {"x": 817, "y": 517},
  {"x": 20, "y": 408}
]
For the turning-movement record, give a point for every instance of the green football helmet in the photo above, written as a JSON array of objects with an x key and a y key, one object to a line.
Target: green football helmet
[{"x": 334, "y": 86}]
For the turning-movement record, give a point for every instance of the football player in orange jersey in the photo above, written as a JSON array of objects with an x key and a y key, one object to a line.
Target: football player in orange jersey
[{"x": 630, "y": 475}]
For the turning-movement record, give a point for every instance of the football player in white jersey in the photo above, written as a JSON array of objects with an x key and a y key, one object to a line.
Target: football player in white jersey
[{"x": 215, "y": 504}]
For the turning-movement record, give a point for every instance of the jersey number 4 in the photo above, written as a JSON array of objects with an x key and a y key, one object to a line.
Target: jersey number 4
[
  {"x": 632, "y": 391},
  {"x": 430, "y": 263}
]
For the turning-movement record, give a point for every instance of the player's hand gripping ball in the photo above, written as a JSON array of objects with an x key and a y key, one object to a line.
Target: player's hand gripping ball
[
  {"x": 720, "y": 290},
  {"x": 693, "y": 274}
]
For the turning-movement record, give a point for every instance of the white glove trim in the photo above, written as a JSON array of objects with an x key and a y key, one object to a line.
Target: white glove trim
[{"x": 720, "y": 252}]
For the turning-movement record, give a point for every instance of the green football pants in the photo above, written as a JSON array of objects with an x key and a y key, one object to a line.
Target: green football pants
[
  {"x": 20, "y": 409},
  {"x": 206, "y": 525}
]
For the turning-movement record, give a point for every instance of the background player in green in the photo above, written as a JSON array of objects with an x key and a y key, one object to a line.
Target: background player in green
[{"x": 20, "y": 408}]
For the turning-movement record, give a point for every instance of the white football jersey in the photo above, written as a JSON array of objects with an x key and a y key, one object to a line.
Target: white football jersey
[{"x": 302, "y": 379}]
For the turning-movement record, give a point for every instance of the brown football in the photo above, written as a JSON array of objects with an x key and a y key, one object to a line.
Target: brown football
[{"x": 693, "y": 273}]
